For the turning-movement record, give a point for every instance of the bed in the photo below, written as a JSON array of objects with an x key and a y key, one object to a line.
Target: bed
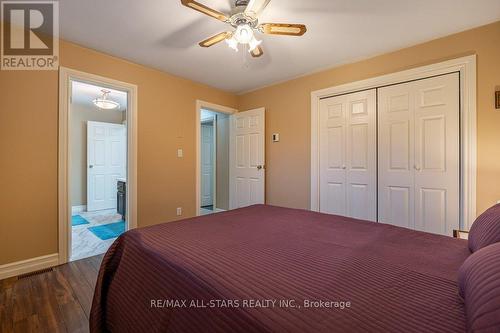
[{"x": 325, "y": 273}]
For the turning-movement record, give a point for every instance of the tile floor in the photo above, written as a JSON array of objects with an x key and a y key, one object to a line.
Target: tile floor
[
  {"x": 206, "y": 210},
  {"x": 83, "y": 242}
]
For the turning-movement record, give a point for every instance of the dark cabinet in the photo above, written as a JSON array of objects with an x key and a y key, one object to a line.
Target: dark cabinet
[{"x": 121, "y": 198}]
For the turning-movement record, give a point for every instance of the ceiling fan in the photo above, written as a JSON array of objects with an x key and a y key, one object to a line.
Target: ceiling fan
[{"x": 246, "y": 23}]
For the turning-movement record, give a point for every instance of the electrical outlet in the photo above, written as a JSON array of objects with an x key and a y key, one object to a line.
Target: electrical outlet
[
  {"x": 179, "y": 211},
  {"x": 180, "y": 153}
]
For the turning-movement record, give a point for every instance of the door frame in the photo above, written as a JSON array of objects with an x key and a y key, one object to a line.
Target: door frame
[
  {"x": 200, "y": 104},
  {"x": 66, "y": 75},
  {"x": 466, "y": 66}
]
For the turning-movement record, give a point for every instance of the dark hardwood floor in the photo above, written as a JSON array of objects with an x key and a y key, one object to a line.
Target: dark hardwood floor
[{"x": 57, "y": 301}]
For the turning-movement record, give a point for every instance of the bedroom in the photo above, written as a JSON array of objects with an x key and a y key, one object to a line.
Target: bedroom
[{"x": 170, "y": 78}]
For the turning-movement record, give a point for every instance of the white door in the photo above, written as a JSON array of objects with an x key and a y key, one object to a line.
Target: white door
[
  {"x": 106, "y": 161},
  {"x": 396, "y": 156},
  {"x": 419, "y": 173},
  {"x": 207, "y": 163},
  {"x": 247, "y": 158},
  {"x": 347, "y": 151}
]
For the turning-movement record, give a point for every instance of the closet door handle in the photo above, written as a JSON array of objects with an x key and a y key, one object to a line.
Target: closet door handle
[
  {"x": 416, "y": 167},
  {"x": 344, "y": 167}
]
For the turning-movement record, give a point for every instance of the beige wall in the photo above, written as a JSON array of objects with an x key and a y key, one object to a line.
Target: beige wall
[
  {"x": 288, "y": 112},
  {"x": 80, "y": 114},
  {"x": 28, "y": 147},
  {"x": 222, "y": 167}
]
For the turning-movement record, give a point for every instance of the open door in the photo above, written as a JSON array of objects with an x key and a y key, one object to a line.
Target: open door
[
  {"x": 247, "y": 159},
  {"x": 106, "y": 159},
  {"x": 208, "y": 156}
]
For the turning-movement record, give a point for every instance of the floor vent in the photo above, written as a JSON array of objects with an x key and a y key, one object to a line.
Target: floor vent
[{"x": 42, "y": 271}]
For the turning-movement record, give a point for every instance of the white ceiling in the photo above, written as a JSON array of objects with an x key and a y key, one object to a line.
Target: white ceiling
[
  {"x": 84, "y": 94},
  {"x": 164, "y": 34}
]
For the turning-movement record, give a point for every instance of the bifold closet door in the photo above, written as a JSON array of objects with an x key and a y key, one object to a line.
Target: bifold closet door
[
  {"x": 347, "y": 152},
  {"x": 419, "y": 154}
]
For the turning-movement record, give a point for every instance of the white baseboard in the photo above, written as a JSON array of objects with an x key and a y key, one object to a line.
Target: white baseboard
[
  {"x": 218, "y": 210},
  {"x": 28, "y": 265},
  {"x": 78, "y": 209}
]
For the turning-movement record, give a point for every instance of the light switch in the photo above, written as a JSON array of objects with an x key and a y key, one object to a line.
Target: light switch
[
  {"x": 276, "y": 137},
  {"x": 180, "y": 153}
]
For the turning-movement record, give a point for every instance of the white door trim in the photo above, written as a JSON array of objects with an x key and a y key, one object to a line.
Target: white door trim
[
  {"x": 211, "y": 107},
  {"x": 466, "y": 66},
  {"x": 66, "y": 75}
]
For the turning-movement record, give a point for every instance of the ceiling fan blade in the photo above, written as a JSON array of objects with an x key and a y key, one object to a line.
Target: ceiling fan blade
[
  {"x": 257, "y": 52},
  {"x": 205, "y": 10},
  {"x": 283, "y": 29},
  {"x": 255, "y": 7},
  {"x": 215, "y": 39}
]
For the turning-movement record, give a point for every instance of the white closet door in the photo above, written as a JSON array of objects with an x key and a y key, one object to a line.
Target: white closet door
[
  {"x": 437, "y": 145},
  {"x": 348, "y": 155},
  {"x": 332, "y": 153},
  {"x": 396, "y": 156},
  {"x": 419, "y": 154}
]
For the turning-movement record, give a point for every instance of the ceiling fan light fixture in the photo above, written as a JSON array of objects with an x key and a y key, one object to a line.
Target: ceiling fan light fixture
[
  {"x": 246, "y": 23},
  {"x": 253, "y": 44},
  {"x": 232, "y": 43},
  {"x": 244, "y": 34},
  {"x": 104, "y": 103}
]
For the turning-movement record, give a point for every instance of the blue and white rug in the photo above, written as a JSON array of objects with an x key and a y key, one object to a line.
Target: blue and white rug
[
  {"x": 78, "y": 220},
  {"x": 107, "y": 231}
]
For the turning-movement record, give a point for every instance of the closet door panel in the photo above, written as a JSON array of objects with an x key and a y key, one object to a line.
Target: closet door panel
[
  {"x": 361, "y": 151},
  {"x": 348, "y": 155},
  {"x": 396, "y": 151},
  {"x": 437, "y": 172},
  {"x": 419, "y": 174},
  {"x": 332, "y": 156}
]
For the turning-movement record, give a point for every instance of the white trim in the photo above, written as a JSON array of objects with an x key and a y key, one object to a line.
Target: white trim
[
  {"x": 66, "y": 75},
  {"x": 78, "y": 209},
  {"x": 211, "y": 107},
  {"x": 467, "y": 68},
  {"x": 28, "y": 265}
]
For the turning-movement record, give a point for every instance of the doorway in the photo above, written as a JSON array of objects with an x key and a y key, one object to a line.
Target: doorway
[
  {"x": 245, "y": 149},
  {"x": 98, "y": 167},
  {"x": 97, "y": 164},
  {"x": 214, "y": 162}
]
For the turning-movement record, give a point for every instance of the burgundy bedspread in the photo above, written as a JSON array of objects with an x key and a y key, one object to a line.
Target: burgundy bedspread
[{"x": 222, "y": 272}]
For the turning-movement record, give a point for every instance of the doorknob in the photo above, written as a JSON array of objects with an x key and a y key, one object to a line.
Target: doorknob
[
  {"x": 344, "y": 167},
  {"x": 259, "y": 167},
  {"x": 416, "y": 167},
  {"x": 91, "y": 166}
]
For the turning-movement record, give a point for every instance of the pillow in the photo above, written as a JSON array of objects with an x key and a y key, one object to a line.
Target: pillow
[
  {"x": 486, "y": 229},
  {"x": 479, "y": 286}
]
